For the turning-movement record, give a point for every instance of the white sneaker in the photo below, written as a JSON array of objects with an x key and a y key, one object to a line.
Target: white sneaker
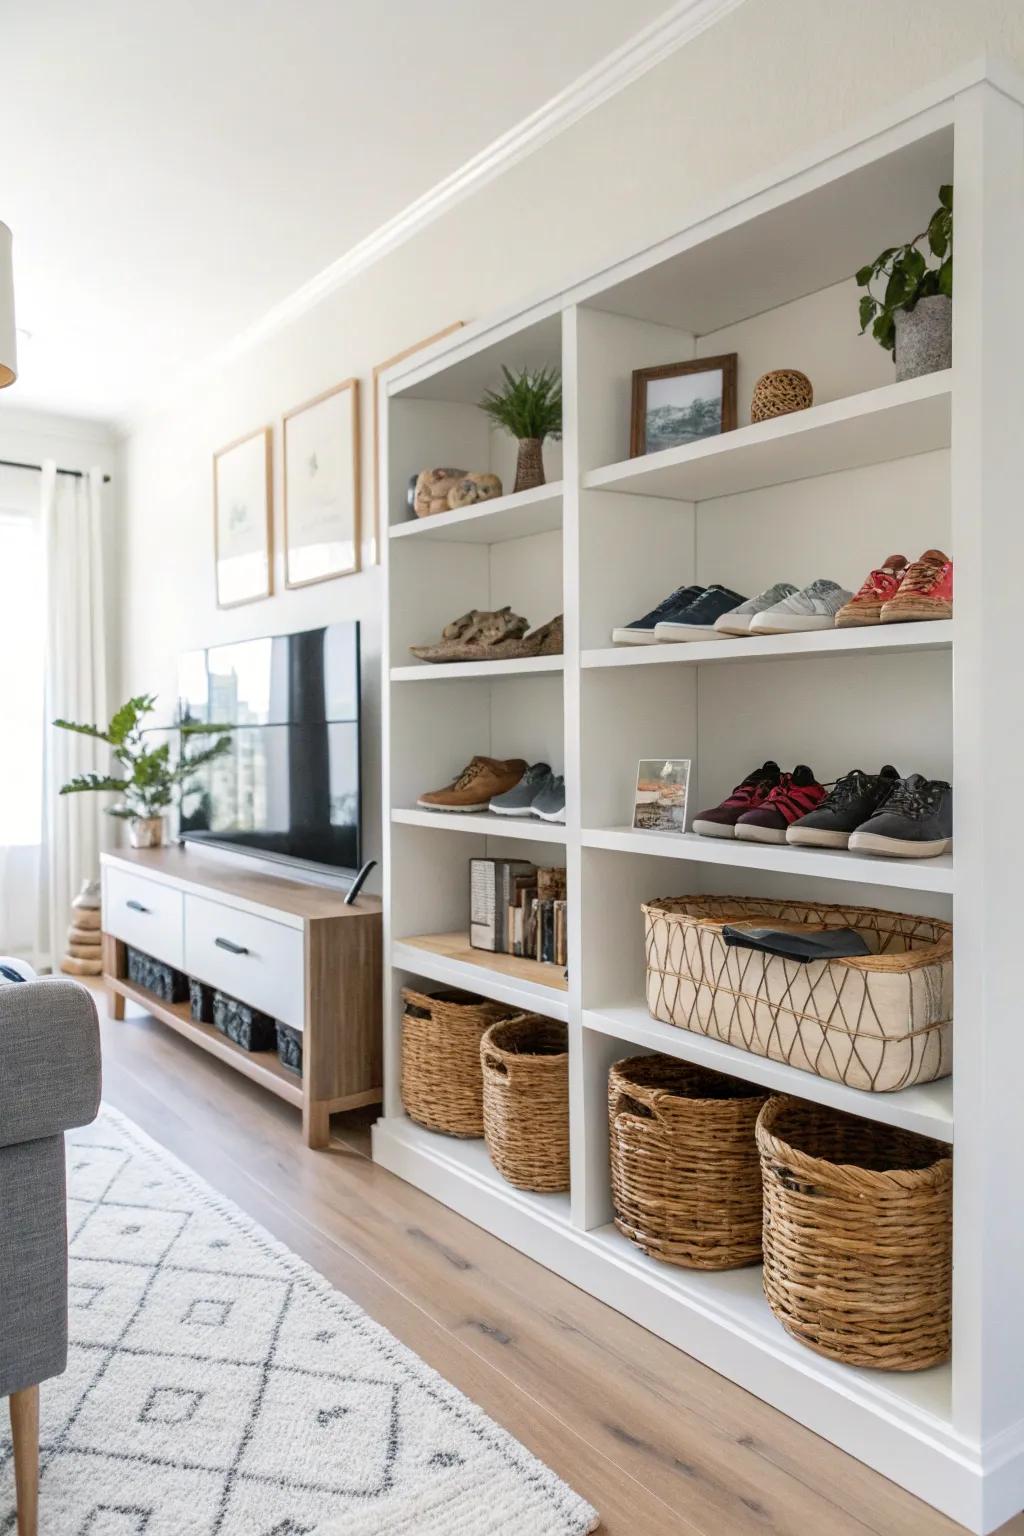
[
  {"x": 815, "y": 607},
  {"x": 737, "y": 621}
]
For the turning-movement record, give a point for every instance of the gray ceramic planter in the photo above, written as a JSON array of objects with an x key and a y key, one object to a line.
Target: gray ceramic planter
[{"x": 924, "y": 337}]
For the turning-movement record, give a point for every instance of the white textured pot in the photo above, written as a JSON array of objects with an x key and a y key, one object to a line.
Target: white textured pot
[
  {"x": 924, "y": 337},
  {"x": 146, "y": 831}
]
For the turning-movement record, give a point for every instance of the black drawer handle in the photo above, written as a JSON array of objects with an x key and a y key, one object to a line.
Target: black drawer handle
[
  {"x": 136, "y": 906},
  {"x": 232, "y": 948}
]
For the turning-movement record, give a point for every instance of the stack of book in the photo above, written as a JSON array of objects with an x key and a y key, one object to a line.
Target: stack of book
[{"x": 517, "y": 909}]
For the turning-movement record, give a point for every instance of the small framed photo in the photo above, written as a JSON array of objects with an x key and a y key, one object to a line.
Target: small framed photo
[
  {"x": 662, "y": 784},
  {"x": 681, "y": 403},
  {"x": 242, "y": 519},
  {"x": 321, "y": 487}
]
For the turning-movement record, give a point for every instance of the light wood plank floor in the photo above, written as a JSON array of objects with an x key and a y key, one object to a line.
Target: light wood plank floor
[{"x": 661, "y": 1445}]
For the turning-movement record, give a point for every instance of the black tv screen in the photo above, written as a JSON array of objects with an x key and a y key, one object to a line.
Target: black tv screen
[{"x": 289, "y": 786}]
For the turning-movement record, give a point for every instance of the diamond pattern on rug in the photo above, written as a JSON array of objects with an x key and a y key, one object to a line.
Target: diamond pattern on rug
[{"x": 216, "y": 1386}]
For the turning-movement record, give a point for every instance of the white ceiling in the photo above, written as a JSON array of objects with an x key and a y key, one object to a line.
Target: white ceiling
[{"x": 173, "y": 170}]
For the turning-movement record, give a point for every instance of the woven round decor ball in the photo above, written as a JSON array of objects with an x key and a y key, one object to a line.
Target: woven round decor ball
[{"x": 779, "y": 392}]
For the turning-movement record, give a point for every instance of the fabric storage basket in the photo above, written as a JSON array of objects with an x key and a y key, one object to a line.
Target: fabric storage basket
[
  {"x": 686, "y": 1179},
  {"x": 441, "y": 1082},
  {"x": 526, "y": 1101},
  {"x": 858, "y": 1236},
  {"x": 247, "y": 1027},
  {"x": 169, "y": 985},
  {"x": 879, "y": 1022},
  {"x": 289, "y": 1046}
]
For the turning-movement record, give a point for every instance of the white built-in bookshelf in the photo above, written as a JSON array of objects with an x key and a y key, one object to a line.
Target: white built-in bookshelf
[{"x": 874, "y": 467}]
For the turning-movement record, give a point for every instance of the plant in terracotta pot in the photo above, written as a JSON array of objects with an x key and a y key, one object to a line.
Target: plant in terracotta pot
[
  {"x": 913, "y": 317},
  {"x": 148, "y": 778},
  {"x": 530, "y": 407}
]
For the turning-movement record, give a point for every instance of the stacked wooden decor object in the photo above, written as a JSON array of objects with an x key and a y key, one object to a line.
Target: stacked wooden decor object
[{"x": 83, "y": 956}]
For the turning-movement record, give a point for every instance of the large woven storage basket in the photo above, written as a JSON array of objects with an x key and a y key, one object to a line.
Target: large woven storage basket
[
  {"x": 441, "y": 1083},
  {"x": 858, "y": 1236},
  {"x": 686, "y": 1179},
  {"x": 881, "y": 1022},
  {"x": 526, "y": 1101}
]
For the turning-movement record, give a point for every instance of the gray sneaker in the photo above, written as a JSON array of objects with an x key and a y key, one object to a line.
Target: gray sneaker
[
  {"x": 814, "y": 607},
  {"x": 549, "y": 804},
  {"x": 737, "y": 620},
  {"x": 518, "y": 801}
]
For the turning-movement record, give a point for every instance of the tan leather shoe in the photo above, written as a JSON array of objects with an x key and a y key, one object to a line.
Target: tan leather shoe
[{"x": 473, "y": 788}]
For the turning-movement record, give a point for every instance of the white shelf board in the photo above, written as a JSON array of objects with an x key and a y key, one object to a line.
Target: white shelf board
[
  {"x": 529, "y": 829},
  {"x": 873, "y": 640},
  {"x": 822, "y": 863},
  {"x": 894, "y": 422},
  {"x": 517, "y": 516},
  {"x": 926, "y": 1109},
  {"x": 425, "y": 671},
  {"x": 518, "y": 992}
]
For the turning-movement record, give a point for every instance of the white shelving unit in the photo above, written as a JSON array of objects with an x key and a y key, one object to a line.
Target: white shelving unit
[{"x": 875, "y": 466}]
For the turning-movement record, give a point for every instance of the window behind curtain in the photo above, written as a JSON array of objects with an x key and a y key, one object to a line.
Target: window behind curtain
[{"x": 22, "y": 638}]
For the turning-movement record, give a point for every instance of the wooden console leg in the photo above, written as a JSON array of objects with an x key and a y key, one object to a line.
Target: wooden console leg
[
  {"x": 25, "y": 1430},
  {"x": 114, "y": 965},
  {"x": 316, "y": 1123}
]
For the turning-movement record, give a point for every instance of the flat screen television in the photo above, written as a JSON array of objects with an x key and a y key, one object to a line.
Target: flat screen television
[{"x": 289, "y": 787}]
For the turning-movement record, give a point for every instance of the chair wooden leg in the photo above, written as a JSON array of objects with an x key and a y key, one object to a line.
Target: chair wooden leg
[{"x": 25, "y": 1429}]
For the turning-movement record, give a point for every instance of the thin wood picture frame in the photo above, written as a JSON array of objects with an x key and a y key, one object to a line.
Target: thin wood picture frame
[
  {"x": 676, "y": 424},
  {"x": 378, "y": 370},
  {"x": 340, "y": 500},
  {"x": 243, "y": 519}
]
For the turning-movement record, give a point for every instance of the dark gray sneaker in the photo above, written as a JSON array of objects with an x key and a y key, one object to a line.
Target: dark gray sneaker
[
  {"x": 852, "y": 799},
  {"x": 915, "y": 822},
  {"x": 518, "y": 801},
  {"x": 549, "y": 804}
]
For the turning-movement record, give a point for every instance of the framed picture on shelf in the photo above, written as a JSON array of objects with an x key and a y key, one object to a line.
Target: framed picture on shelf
[
  {"x": 321, "y": 487},
  {"x": 679, "y": 403},
  {"x": 242, "y": 519},
  {"x": 662, "y": 785}
]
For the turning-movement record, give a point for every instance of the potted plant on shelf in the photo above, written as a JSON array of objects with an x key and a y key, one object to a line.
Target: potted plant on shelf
[
  {"x": 150, "y": 778},
  {"x": 530, "y": 407},
  {"x": 913, "y": 319}
]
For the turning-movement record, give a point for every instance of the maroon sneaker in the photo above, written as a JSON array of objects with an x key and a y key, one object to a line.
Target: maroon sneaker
[
  {"x": 794, "y": 795},
  {"x": 721, "y": 820}
]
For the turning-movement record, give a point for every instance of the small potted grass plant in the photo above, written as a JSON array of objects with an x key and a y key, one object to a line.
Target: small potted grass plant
[
  {"x": 912, "y": 315},
  {"x": 148, "y": 778},
  {"x": 530, "y": 407}
]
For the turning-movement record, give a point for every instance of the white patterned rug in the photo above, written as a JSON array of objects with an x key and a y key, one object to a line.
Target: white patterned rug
[{"x": 217, "y": 1386}]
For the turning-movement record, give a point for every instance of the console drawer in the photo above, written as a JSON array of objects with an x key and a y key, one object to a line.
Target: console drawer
[
  {"x": 145, "y": 914},
  {"x": 251, "y": 958}
]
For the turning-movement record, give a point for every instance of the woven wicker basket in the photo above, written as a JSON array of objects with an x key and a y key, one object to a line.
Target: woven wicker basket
[
  {"x": 881, "y": 1022},
  {"x": 686, "y": 1180},
  {"x": 441, "y": 1083},
  {"x": 780, "y": 392},
  {"x": 858, "y": 1236},
  {"x": 526, "y": 1101}
]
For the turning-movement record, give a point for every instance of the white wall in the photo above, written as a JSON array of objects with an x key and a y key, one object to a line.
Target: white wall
[{"x": 771, "y": 80}]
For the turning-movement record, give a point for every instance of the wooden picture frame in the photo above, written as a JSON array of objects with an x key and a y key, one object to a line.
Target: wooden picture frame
[
  {"x": 243, "y": 519},
  {"x": 379, "y": 369},
  {"x": 322, "y": 521},
  {"x": 640, "y": 437}
]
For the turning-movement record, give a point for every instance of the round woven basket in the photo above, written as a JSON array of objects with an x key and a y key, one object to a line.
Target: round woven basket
[
  {"x": 779, "y": 392},
  {"x": 441, "y": 1083},
  {"x": 526, "y": 1101},
  {"x": 858, "y": 1236},
  {"x": 686, "y": 1180}
]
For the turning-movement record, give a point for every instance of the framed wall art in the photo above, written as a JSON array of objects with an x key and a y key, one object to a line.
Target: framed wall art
[
  {"x": 243, "y": 520},
  {"x": 682, "y": 403},
  {"x": 321, "y": 487},
  {"x": 662, "y": 787}
]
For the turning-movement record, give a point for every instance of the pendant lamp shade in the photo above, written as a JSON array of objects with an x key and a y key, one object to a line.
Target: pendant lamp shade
[{"x": 8, "y": 338}]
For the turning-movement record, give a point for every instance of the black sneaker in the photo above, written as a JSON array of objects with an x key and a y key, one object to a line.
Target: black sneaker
[
  {"x": 641, "y": 631},
  {"x": 852, "y": 799},
  {"x": 697, "y": 622},
  {"x": 915, "y": 822}
]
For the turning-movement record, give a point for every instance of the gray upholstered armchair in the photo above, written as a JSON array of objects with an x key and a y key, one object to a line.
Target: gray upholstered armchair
[{"x": 49, "y": 1082}]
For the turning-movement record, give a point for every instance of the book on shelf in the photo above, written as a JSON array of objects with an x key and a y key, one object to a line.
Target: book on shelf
[
  {"x": 491, "y": 884},
  {"x": 518, "y": 909}
]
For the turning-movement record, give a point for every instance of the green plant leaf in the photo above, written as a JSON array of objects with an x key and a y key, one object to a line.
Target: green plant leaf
[
  {"x": 127, "y": 718},
  {"x": 946, "y": 277},
  {"x": 530, "y": 405},
  {"x": 938, "y": 233},
  {"x": 946, "y": 196},
  {"x": 82, "y": 730},
  {"x": 868, "y": 310},
  {"x": 863, "y": 275},
  {"x": 884, "y": 331},
  {"x": 85, "y": 783}
]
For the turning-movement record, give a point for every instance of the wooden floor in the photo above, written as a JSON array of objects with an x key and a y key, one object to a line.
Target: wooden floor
[{"x": 659, "y": 1444}]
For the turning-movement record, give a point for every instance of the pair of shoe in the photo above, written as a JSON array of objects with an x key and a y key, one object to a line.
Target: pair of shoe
[
  {"x": 909, "y": 818},
  {"x": 900, "y": 591},
  {"x": 506, "y": 786},
  {"x": 715, "y": 612},
  {"x": 493, "y": 635}
]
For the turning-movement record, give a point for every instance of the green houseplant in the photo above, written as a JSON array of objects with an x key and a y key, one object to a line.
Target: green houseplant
[
  {"x": 530, "y": 407},
  {"x": 147, "y": 778},
  {"x": 912, "y": 315}
]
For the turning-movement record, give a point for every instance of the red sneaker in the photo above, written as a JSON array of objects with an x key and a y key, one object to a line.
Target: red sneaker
[
  {"x": 881, "y": 585},
  {"x": 926, "y": 591},
  {"x": 721, "y": 820},
  {"x": 794, "y": 795}
]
